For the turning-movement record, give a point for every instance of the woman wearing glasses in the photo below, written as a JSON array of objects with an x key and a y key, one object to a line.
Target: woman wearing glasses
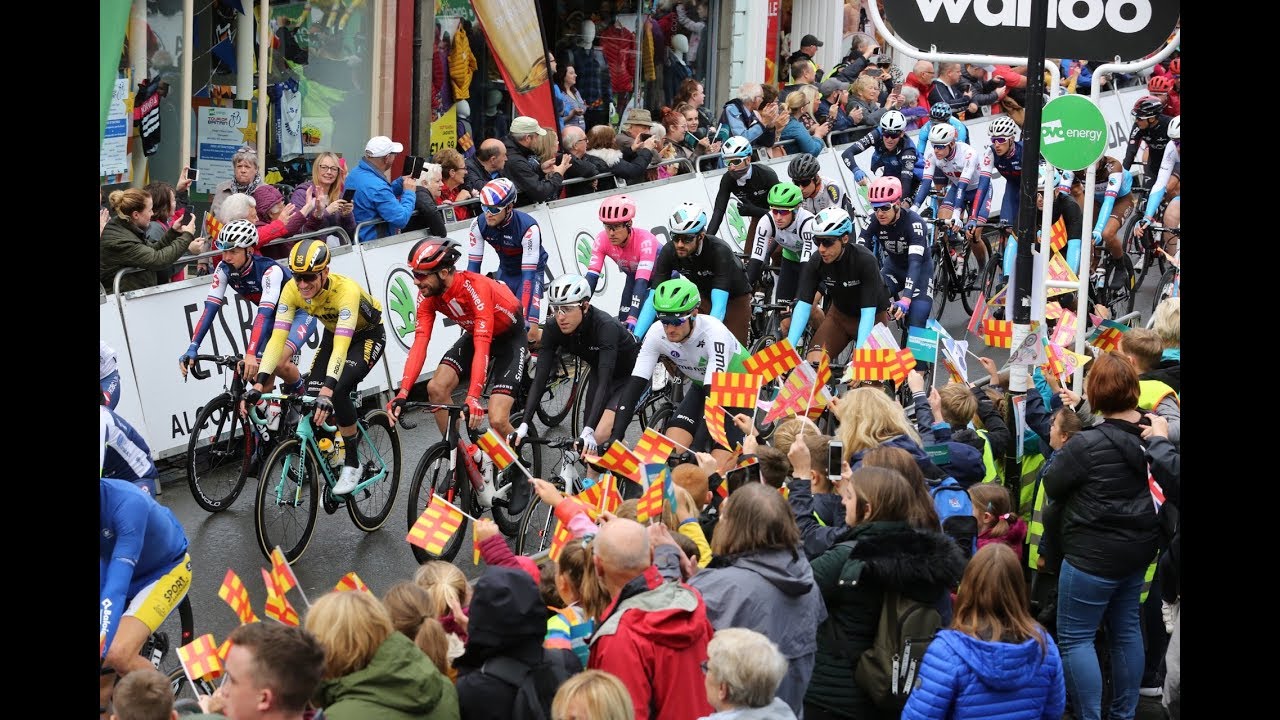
[{"x": 328, "y": 177}]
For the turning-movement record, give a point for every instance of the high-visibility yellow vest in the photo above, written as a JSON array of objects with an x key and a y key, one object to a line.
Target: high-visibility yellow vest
[
  {"x": 993, "y": 473},
  {"x": 1035, "y": 528},
  {"x": 1151, "y": 392},
  {"x": 1031, "y": 464}
]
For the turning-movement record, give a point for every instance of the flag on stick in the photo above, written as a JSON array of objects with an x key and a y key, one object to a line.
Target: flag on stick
[
  {"x": 618, "y": 459},
  {"x": 436, "y": 526},
  {"x": 496, "y": 448},
  {"x": 716, "y": 417},
  {"x": 237, "y": 596},
  {"x": 1065, "y": 331},
  {"x": 997, "y": 333},
  {"x": 283, "y": 576},
  {"x": 979, "y": 314},
  {"x": 1058, "y": 235},
  {"x": 200, "y": 658},
  {"x": 277, "y": 606},
  {"x": 734, "y": 389},
  {"x": 559, "y": 538},
  {"x": 351, "y": 581},
  {"x": 771, "y": 362},
  {"x": 1052, "y": 310},
  {"x": 654, "y": 447},
  {"x": 650, "y": 505}
]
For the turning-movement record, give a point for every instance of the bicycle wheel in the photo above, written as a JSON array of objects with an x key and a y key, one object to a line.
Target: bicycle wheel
[
  {"x": 970, "y": 277},
  {"x": 435, "y": 474},
  {"x": 557, "y": 398},
  {"x": 182, "y": 688},
  {"x": 217, "y": 465},
  {"x": 288, "y": 500},
  {"x": 379, "y": 451},
  {"x": 530, "y": 455},
  {"x": 940, "y": 282},
  {"x": 536, "y": 529},
  {"x": 1165, "y": 288},
  {"x": 991, "y": 276},
  {"x": 579, "y": 401}
]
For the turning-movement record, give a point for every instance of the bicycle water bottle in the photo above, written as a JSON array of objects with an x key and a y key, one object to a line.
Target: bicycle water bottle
[
  {"x": 334, "y": 451},
  {"x": 483, "y": 488}
]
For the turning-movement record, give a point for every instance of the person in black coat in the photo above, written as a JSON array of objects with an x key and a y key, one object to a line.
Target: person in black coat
[
  {"x": 507, "y": 620},
  {"x": 536, "y": 181}
]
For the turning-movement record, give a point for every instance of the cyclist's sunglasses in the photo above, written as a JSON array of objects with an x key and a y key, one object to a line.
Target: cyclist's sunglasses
[
  {"x": 736, "y": 162},
  {"x": 781, "y": 211},
  {"x": 806, "y": 182},
  {"x": 220, "y": 245},
  {"x": 425, "y": 275},
  {"x": 674, "y": 321},
  {"x": 996, "y": 141},
  {"x": 888, "y": 134},
  {"x": 615, "y": 226},
  {"x": 826, "y": 241},
  {"x": 560, "y": 310},
  {"x": 882, "y": 208},
  {"x": 306, "y": 277},
  {"x": 492, "y": 209},
  {"x": 941, "y": 147},
  {"x": 684, "y": 239}
]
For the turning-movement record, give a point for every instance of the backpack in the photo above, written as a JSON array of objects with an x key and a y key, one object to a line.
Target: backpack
[
  {"x": 955, "y": 510},
  {"x": 528, "y": 705}
]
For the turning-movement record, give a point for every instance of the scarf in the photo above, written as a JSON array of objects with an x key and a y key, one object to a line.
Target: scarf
[{"x": 246, "y": 189}]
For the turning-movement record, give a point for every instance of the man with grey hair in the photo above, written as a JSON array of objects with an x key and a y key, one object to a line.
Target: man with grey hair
[
  {"x": 744, "y": 669},
  {"x": 535, "y": 180},
  {"x": 744, "y": 116},
  {"x": 654, "y": 634},
  {"x": 376, "y": 197},
  {"x": 574, "y": 145}
]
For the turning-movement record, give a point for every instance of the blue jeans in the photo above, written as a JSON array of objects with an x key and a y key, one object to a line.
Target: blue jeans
[{"x": 1084, "y": 602}]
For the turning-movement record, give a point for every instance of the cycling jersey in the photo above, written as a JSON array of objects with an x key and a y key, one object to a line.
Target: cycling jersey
[
  {"x": 1156, "y": 137},
  {"x": 260, "y": 282},
  {"x": 635, "y": 258},
  {"x": 906, "y": 252},
  {"x": 752, "y": 191},
  {"x": 960, "y": 170},
  {"x": 604, "y": 344},
  {"x": 521, "y": 257},
  {"x": 900, "y": 161},
  {"x": 342, "y": 306},
  {"x": 139, "y": 541},
  {"x": 828, "y": 194},
  {"x": 714, "y": 268},
  {"x": 709, "y": 348},
  {"x": 1107, "y": 188},
  {"x": 922, "y": 142},
  {"x": 1009, "y": 166},
  {"x": 796, "y": 240},
  {"x": 482, "y": 307},
  {"x": 127, "y": 456},
  {"x": 1169, "y": 166},
  {"x": 108, "y": 375},
  {"x": 851, "y": 284}
]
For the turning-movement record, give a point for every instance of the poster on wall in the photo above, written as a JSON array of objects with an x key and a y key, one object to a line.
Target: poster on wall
[
  {"x": 113, "y": 156},
  {"x": 444, "y": 130},
  {"x": 220, "y": 132}
]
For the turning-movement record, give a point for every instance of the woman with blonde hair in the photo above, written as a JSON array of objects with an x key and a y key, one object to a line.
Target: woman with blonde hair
[
  {"x": 802, "y": 129},
  {"x": 450, "y": 595},
  {"x": 328, "y": 178},
  {"x": 124, "y": 244},
  {"x": 592, "y": 695},
  {"x": 995, "y": 660},
  {"x": 870, "y": 419},
  {"x": 370, "y": 670}
]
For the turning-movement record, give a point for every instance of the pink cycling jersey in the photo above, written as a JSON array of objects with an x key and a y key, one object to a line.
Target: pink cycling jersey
[{"x": 635, "y": 257}]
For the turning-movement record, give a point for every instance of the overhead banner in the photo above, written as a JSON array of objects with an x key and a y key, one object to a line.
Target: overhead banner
[{"x": 513, "y": 29}]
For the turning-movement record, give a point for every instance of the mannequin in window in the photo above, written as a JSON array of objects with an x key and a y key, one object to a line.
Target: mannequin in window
[{"x": 593, "y": 79}]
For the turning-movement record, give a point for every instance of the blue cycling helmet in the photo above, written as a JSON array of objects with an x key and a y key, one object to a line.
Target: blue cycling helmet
[
  {"x": 736, "y": 147},
  {"x": 940, "y": 112},
  {"x": 688, "y": 219}
]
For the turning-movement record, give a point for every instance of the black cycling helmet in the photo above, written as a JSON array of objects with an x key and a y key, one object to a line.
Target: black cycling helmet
[
  {"x": 803, "y": 165},
  {"x": 940, "y": 112},
  {"x": 1147, "y": 107}
]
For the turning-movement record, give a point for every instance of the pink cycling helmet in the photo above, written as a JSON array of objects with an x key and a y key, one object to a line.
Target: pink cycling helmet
[
  {"x": 617, "y": 209},
  {"x": 885, "y": 190}
]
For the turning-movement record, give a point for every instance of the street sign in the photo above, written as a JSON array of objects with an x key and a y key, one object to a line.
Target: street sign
[{"x": 1073, "y": 133}]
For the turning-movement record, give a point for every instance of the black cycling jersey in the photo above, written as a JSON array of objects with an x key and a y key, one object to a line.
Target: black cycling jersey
[
  {"x": 753, "y": 195},
  {"x": 1156, "y": 137},
  {"x": 850, "y": 283},
  {"x": 604, "y": 343},
  {"x": 714, "y": 267},
  {"x": 901, "y": 161}
]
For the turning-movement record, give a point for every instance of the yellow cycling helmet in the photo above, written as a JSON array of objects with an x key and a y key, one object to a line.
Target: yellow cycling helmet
[{"x": 309, "y": 256}]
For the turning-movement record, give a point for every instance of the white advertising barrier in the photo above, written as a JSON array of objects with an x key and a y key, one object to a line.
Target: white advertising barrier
[
  {"x": 576, "y": 224},
  {"x": 111, "y": 332},
  {"x": 158, "y": 323}
]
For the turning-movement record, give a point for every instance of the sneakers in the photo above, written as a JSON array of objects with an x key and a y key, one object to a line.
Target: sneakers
[
  {"x": 521, "y": 493},
  {"x": 351, "y": 477}
]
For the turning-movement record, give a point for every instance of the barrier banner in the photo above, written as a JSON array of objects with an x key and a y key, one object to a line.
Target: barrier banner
[{"x": 111, "y": 331}]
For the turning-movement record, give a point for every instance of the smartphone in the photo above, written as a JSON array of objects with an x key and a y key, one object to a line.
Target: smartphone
[
  {"x": 645, "y": 136},
  {"x": 897, "y": 88},
  {"x": 349, "y": 195},
  {"x": 835, "y": 459},
  {"x": 192, "y": 173},
  {"x": 407, "y": 167}
]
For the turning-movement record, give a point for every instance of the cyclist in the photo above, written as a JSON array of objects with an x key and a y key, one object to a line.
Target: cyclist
[
  {"x": 632, "y": 248},
  {"x": 351, "y": 347},
  {"x": 698, "y": 345},
  {"x": 958, "y": 163},
  {"x": 787, "y": 225},
  {"x": 1064, "y": 207},
  {"x": 1149, "y": 126},
  {"x": 849, "y": 278},
  {"x": 1003, "y": 156},
  {"x": 899, "y": 234},
  {"x": 710, "y": 264},
  {"x": 746, "y": 181},
  {"x": 1170, "y": 172},
  {"x": 492, "y": 326},
  {"x": 108, "y": 375},
  {"x": 819, "y": 192},
  {"x": 938, "y": 115},
  {"x": 515, "y": 235},
  {"x": 258, "y": 279},
  {"x": 1111, "y": 190},
  {"x": 126, "y": 455},
  {"x": 893, "y": 154},
  {"x": 607, "y": 347}
]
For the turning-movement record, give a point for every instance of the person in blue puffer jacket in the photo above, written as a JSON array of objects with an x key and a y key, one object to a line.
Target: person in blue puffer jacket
[{"x": 995, "y": 660}]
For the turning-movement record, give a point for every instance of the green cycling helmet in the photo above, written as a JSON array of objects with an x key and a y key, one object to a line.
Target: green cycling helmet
[
  {"x": 677, "y": 296},
  {"x": 785, "y": 195}
]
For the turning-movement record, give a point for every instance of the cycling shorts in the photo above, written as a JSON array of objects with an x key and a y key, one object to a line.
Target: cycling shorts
[
  {"x": 508, "y": 351},
  {"x": 154, "y": 602},
  {"x": 690, "y": 417},
  {"x": 363, "y": 353}
]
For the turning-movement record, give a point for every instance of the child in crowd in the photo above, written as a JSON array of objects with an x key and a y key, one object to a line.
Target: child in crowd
[
  {"x": 450, "y": 595},
  {"x": 410, "y": 607},
  {"x": 997, "y": 522}
]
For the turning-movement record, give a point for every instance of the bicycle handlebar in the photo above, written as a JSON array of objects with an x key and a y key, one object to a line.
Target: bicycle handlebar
[
  {"x": 285, "y": 398},
  {"x": 228, "y": 361},
  {"x": 995, "y": 226}
]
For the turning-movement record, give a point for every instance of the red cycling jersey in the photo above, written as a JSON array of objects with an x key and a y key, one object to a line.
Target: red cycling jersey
[{"x": 481, "y": 306}]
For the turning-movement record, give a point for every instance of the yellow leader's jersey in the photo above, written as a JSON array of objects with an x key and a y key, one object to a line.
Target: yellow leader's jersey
[{"x": 342, "y": 306}]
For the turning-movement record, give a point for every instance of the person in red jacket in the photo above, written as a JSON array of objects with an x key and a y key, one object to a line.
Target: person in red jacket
[
  {"x": 654, "y": 634},
  {"x": 921, "y": 78}
]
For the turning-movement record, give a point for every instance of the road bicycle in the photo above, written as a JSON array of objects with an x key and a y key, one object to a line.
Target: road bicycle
[
  {"x": 537, "y": 525},
  {"x": 563, "y": 388},
  {"x": 1171, "y": 280},
  {"x": 289, "y": 492},
  {"x": 956, "y": 274}
]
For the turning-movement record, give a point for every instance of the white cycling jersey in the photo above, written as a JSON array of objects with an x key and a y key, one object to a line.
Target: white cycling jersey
[
  {"x": 797, "y": 238},
  {"x": 961, "y": 166},
  {"x": 710, "y": 348},
  {"x": 831, "y": 194}
]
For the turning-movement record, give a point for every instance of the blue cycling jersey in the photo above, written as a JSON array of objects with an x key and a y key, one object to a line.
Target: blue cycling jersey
[
  {"x": 260, "y": 282},
  {"x": 127, "y": 455},
  {"x": 1009, "y": 166},
  {"x": 906, "y": 250},
  {"x": 522, "y": 259}
]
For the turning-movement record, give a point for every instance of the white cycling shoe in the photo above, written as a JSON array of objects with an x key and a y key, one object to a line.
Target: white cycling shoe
[{"x": 351, "y": 477}]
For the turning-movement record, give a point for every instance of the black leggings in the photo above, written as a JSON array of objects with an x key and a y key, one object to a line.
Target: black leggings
[{"x": 364, "y": 352}]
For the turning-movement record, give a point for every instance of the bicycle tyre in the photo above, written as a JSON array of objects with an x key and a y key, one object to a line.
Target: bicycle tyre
[
  {"x": 306, "y": 479},
  {"x": 580, "y": 402},
  {"x": 530, "y": 455},
  {"x": 970, "y": 280},
  {"x": 182, "y": 688},
  {"x": 378, "y": 498},
  {"x": 940, "y": 282},
  {"x": 1165, "y": 288},
  {"x": 991, "y": 276},
  {"x": 557, "y": 399},
  {"x": 210, "y": 465},
  {"x": 441, "y": 479}
]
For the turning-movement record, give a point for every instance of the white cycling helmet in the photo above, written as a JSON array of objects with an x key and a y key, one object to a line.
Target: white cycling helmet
[
  {"x": 832, "y": 221},
  {"x": 568, "y": 289},
  {"x": 688, "y": 219},
  {"x": 736, "y": 147},
  {"x": 237, "y": 234},
  {"x": 1002, "y": 126},
  {"x": 942, "y": 134},
  {"x": 893, "y": 122},
  {"x": 1175, "y": 128}
]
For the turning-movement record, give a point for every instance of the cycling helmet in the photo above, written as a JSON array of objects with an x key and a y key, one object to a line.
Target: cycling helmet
[
  {"x": 803, "y": 165},
  {"x": 309, "y": 257},
  {"x": 832, "y": 221},
  {"x": 942, "y": 134},
  {"x": 1002, "y": 126},
  {"x": 1160, "y": 84},
  {"x": 1147, "y": 107},
  {"x": 1175, "y": 128},
  {"x": 940, "y": 112},
  {"x": 688, "y": 219},
  {"x": 498, "y": 192},
  {"x": 569, "y": 289},
  {"x": 237, "y": 234},
  {"x": 885, "y": 190},
  {"x": 1175, "y": 66},
  {"x": 893, "y": 122},
  {"x": 785, "y": 195},
  {"x": 736, "y": 147},
  {"x": 677, "y": 296},
  {"x": 617, "y": 209},
  {"x": 433, "y": 253}
]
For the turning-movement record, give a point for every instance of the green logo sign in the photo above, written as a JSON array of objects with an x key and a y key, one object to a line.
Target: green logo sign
[
  {"x": 1073, "y": 133},
  {"x": 400, "y": 299},
  {"x": 736, "y": 229},
  {"x": 583, "y": 245}
]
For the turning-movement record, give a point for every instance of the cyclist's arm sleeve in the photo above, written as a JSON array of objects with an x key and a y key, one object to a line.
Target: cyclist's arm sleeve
[
  {"x": 272, "y": 284},
  {"x": 609, "y": 337},
  {"x": 871, "y": 295},
  {"x": 482, "y": 339},
  {"x": 909, "y": 157},
  {"x": 475, "y": 247},
  {"x": 979, "y": 210},
  {"x": 542, "y": 370},
  {"x": 421, "y": 340},
  {"x": 719, "y": 303},
  {"x": 1162, "y": 181},
  {"x": 129, "y": 524},
  {"x": 718, "y": 355},
  {"x": 806, "y": 287},
  {"x": 1108, "y": 202},
  {"x": 212, "y": 303},
  {"x": 597, "y": 260},
  {"x": 806, "y": 239},
  {"x": 722, "y": 203},
  {"x": 532, "y": 243},
  {"x": 289, "y": 302},
  {"x": 1136, "y": 137},
  {"x": 648, "y": 257},
  {"x": 661, "y": 272},
  {"x": 639, "y": 292},
  {"x": 1074, "y": 220},
  {"x": 760, "y": 250},
  {"x": 917, "y": 266},
  {"x": 342, "y": 332}
]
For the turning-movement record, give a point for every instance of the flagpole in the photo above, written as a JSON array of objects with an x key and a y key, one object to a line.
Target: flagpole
[
  {"x": 297, "y": 582},
  {"x": 440, "y": 497}
]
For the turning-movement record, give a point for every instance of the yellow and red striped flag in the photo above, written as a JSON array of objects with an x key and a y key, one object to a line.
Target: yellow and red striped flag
[
  {"x": 1054, "y": 363},
  {"x": 237, "y": 596},
  {"x": 716, "y": 417},
  {"x": 772, "y": 361},
  {"x": 1065, "y": 331},
  {"x": 351, "y": 581},
  {"x": 870, "y": 364},
  {"x": 559, "y": 538},
  {"x": 620, "y": 460},
  {"x": 496, "y": 448},
  {"x": 592, "y": 498},
  {"x": 199, "y": 658},
  {"x": 1106, "y": 338},
  {"x": 818, "y": 406},
  {"x": 436, "y": 526},
  {"x": 277, "y": 606},
  {"x": 793, "y": 397},
  {"x": 223, "y": 649},
  {"x": 824, "y": 369},
  {"x": 1058, "y": 235},
  {"x": 997, "y": 333},
  {"x": 654, "y": 447},
  {"x": 734, "y": 389},
  {"x": 1052, "y": 310},
  {"x": 650, "y": 505},
  {"x": 1059, "y": 270},
  {"x": 281, "y": 572}
]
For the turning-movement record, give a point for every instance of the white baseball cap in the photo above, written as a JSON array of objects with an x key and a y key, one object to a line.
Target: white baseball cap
[{"x": 381, "y": 146}]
